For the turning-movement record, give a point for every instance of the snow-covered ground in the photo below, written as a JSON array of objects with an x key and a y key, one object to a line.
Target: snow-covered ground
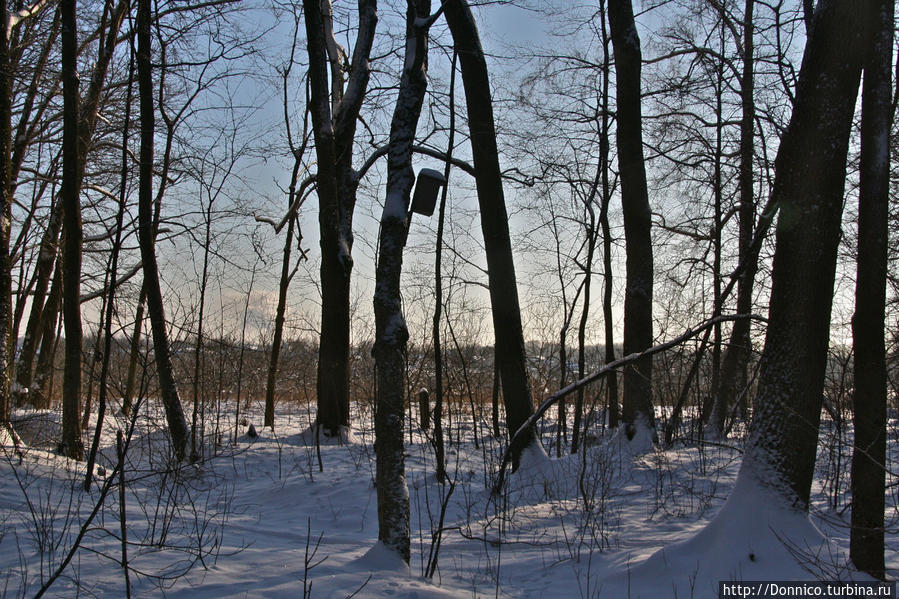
[{"x": 259, "y": 519}]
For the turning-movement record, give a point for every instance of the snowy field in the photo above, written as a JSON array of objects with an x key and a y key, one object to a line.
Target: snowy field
[{"x": 258, "y": 519}]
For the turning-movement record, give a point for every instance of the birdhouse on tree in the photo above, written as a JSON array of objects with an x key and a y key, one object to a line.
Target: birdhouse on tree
[{"x": 426, "y": 187}]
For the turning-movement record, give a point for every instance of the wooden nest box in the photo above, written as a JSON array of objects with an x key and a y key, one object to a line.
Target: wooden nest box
[{"x": 426, "y": 188}]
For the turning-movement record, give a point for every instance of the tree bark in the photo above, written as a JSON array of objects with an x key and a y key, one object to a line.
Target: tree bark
[
  {"x": 71, "y": 264},
  {"x": 866, "y": 539},
  {"x": 167, "y": 388},
  {"x": 335, "y": 110},
  {"x": 808, "y": 187},
  {"x": 134, "y": 354},
  {"x": 5, "y": 218},
  {"x": 43, "y": 370},
  {"x": 510, "y": 353},
  {"x": 439, "y": 450},
  {"x": 739, "y": 345},
  {"x": 637, "y": 408},
  {"x": 269, "y": 418},
  {"x": 608, "y": 324},
  {"x": 391, "y": 333}
]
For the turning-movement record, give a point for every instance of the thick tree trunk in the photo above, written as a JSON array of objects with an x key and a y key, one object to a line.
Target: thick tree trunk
[
  {"x": 334, "y": 113},
  {"x": 167, "y": 387},
  {"x": 866, "y": 539},
  {"x": 71, "y": 264},
  {"x": 510, "y": 353},
  {"x": 391, "y": 334},
  {"x": 637, "y": 408},
  {"x": 808, "y": 186}
]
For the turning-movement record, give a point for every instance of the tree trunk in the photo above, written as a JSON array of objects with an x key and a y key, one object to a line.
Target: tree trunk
[
  {"x": 167, "y": 388},
  {"x": 810, "y": 176},
  {"x": 582, "y": 330},
  {"x": 5, "y": 219},
  {"x": 637, "y": 408},
  {"x": 439, "y": 453},
  {"x": 105, "y": 332},
  {"x": 134, "y": 353},
  {"x": 46, "y": 258},
  {"x": 608, "y": 324},
  {"x": 43, "y": 371},
  {"x": 198, "y": 348},
  {"x": 733, "y": 378},
  {"x": 391, "y": 334},
  {"x": 510, "y": 353},
  {"x": 270, "y": 383},
  {"x": 866, "y": 540},
  {"x": 71, "y": 264},
  {"x": 334, "y": 113}
]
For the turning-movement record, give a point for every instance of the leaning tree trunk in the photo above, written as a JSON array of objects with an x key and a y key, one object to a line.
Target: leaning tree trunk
[
  {"x": 637, "y": 409},
  {"x": 866, "y": 536},
  {"x": 71, "y": 265},
  {"x": 809, "y": 180},
  {"x": 510, "y": 353},
  {"x": 167, "y": 387},
  {"x": 391, "y": 334}
]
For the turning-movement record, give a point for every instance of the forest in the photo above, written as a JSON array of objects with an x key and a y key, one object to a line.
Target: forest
[{"x": 449, "y": 298}]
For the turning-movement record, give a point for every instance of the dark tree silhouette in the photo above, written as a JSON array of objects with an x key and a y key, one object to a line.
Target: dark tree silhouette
[
  {"x": 510, "y": 354},
  {"x": 866, "y": 540},
  {"x": 808, "y": 187},
  {"x": 637, "y": 411},
  {"x": 168, "y": 389},
  {"x": 334, "y": 116}
]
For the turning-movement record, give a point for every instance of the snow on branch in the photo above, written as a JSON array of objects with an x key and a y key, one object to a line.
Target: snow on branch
[
  {"x": 610, "y": 367},
  {"x": 22, "y": 14}
]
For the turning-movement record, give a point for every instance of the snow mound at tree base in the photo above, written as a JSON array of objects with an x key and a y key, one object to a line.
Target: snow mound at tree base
[
  {"x": 756, "y": 536},
  {"x": 344, "y": 436}
]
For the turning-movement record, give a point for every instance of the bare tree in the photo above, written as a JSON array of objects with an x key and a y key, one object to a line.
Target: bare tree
[
  {"x": 811, "y": 172},
  {"x": 866, "y": 541},
  {"x": 736, "y": 358},
  {"x": 510, "y": 352},
  {"x": 89, "y": 109},
  {"x": 167, "y": 386},
  {"x": 71, "y": 209},
  {"x": 295, "y": 196},
  {"x": 391, "y": 333},
  {"x": 334, "y": 115},
  {"x": 637, "y": 409},
  {"x": 5, "y": 218}
]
